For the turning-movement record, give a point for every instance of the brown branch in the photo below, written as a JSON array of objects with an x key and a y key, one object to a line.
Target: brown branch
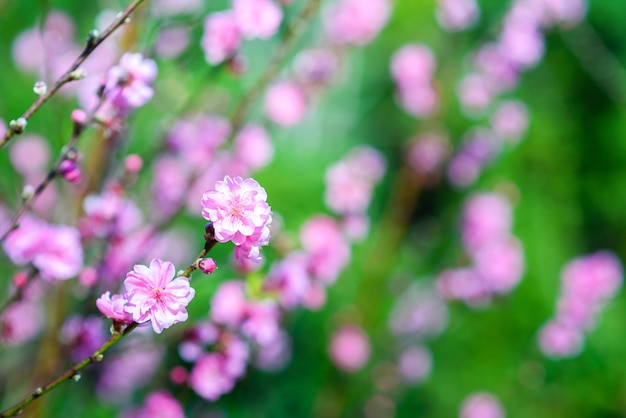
[{"x": 17, "y": 126}]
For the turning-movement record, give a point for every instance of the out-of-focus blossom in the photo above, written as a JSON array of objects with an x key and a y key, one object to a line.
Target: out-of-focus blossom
[
  {"x": 221, "y": 38},
  {"x": 476, "y": 92},
  {"x": 522, "y": 44},
  {"x": 413, "y": 65},
  {"x": 289, "y": 280},
  {"x": 285, "y": 103},
  {"x": 159, "y": 404},
  {"x": 20, "y": 322},
  {"x": 419, "y": 101},
  {"x": 253, "y": 147},
  {"x": 128, "y": 84},
  {"x": 208, "y": 377},
  {"x": 171, "y": 42},
  {"x": 426, "y": 154},
  {"x": 486, "y": 217},
  {"x": 349, "y": 348},
  {"x": 257, "y": 18},
  {"x": 419, "y": 312},
  {"x": 83, "y": 336},
  {"x": 415, "y": 364},
  {"x": 500, "y": 264},
  {"x": 481, "y": 405},
  {"x": 315, "y": 66},
  {"x": 239, "y": 211},
  {"x": 559, "y": 340},
  {"x": 463, "y": 284},
  {"x": 457, "y": 15},
  {"x": 152, "y": 295},
  {"x": 356, "y": 22},
  {"x": 275, "y": 355},
  {"x": 229, "y": 303},
  {"x": 175, "y": 7},
  {"x": 326, "y": 248},
  {"x": 30, "y": 154},
  {"x": 169, "y": 184},
  {"x": 510, "y": 120},
  {"x": 110, "y": 214}
]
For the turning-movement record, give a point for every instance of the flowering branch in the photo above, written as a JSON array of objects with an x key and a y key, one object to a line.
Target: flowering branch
[
  {"x": 69, "y": 153},
  {"x": 275, "y": 64},
  {"x": 71, "y": 374},
  {"x": 17, "y": 126}
]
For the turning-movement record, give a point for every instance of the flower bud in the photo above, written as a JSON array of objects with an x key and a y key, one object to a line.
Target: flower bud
[
  {"x": 18, "y": 126},
  {"x": 70, "y": 171},
  {"x": 207, "y": 265},
  {"x": 40, "y": 88},
  {"x": 79, "y": 116}
]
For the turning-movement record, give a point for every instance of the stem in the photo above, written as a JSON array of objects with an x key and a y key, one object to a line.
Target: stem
[
  {"x": 275, "y": 64},
  {"x": 92, "y": 44},
  {"x": 71, "y": 373}
]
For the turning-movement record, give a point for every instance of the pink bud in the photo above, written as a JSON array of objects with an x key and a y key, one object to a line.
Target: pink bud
[
  {"x": 20, "y": 279},
  {"x": 70, "y": 171},
  {"x": 133, "y": 163},
  {"x": 79, "y": 116},
  {"x": 207, "y": 265},
  {"x": 88, "y": 277},
  {"x": 178, "y": 375}
]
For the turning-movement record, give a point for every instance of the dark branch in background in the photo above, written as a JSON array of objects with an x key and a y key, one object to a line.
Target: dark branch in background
[
  {"x": 17, "y": 126},
  {"x": 273, "y": 68}
]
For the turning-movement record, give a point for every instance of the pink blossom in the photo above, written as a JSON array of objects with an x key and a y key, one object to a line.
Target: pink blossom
[
  {"x": 274, "y": 356},
  {"x": 415, "y": 364},
  {"x": 285, "y": 103},
  {"x": 495, "y": 67},
  {"x": 169, "y": 184},
  {"x": 171, "y": 42},
  {"x": 208, "y": 377},
  {"x": 175, "y": 7},
  {"x": 257, "y": 18},
  {"x": 262, "y": 321},
  {"x": 239, "y": 211},
  {"x": 83, "y": 336},
  {"x": 114, "y": 307},
  {"x": 327, "y": 249},
  {"x": 413, "y": 65},
  {"x": 419, "y": 312},
  {"x": 481, "y": 405},
  {"x": 476, "y": 92},
  {"x": 229, "y": 304},
  {"x": 253, "y": 147},
  {"x": 463, "y": 170},
  {"x": 522, "y": 44},
  {"x": 159, "y": 404},
  {"x": 30, "y": 155},
  {"x": 592, "y": 278},
  {"x": 356, "y": 22},
  {"x": 427, "y": 153},
  {"x": 20, "y": 322},
  {"x": 510, "y": 120},
  {"x": 315, "y": 67},
  {"x": 110, "y": 214},
  {"x": 128, "y": 83},
  {"x": 569, "y": 12},
  {"x": 457, "y": 15},
  {"x": 500, "y": 263},
  {"x": 152, "y": 295},
  {"x": 221, "y": 38},
  {"x": 486, "y": 217},
  {"x": 558, "y": 340},
  {"x": 349, "y": 348},
  {"x": 289, "y": 279},
  {"x": 463, "y": 284}
]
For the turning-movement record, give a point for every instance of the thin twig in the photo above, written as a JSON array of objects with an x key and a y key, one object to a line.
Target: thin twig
[
  {"x": 271, "y": 71},
  {"x": 92, "y": 43}
]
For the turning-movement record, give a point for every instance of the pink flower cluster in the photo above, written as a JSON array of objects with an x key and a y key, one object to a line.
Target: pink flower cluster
[
  {"x": 496, "y": 255},
  {"x": 285, "y": 103},
  {"x": 356, "y": 22},
  {"x": 412, "y": 68},
  {"x": 150, "y": 294},
  {"x": 239, "y": 212},
  {"x": 587, "y": 284},
  {"x": 128, "y": 84},
  {"x": 237, "y": 324},
  {"x": 55, "y": 250},
  {"x": 349, "y": 348},
  {"x": 248, "y": 19},
  {"x": 109, "y": 215},
  {"x": 457, "y": 15}
]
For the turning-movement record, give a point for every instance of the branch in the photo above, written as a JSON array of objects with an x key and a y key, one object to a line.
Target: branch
[{"x": 94, "y": 39}]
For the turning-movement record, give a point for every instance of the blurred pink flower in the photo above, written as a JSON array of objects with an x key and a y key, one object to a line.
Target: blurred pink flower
[
  {"x": 510, "y": 120},
  {"x": 152, "y": 295},
  {"x": 315, "y": 66},
  {"x": 253, "y": 147},
  {"x": 110, "y": 214},
  {"x": 128, "y": 84},
  {"x": 229, "y": 304},
  {"x": 257, "y": 18},
  {"x": 558, "y": 340},
  {"x": 356, "y": 22},
  {"x": 326, "y": 248},
  {"x": 29, "y": 155},
  {"x": 457, "y": 15},
  {"x": 413, "y": 65},
  {"x": 500, "y": 264},
  {"x": 171, "y": 42},
  {"x": 262, "y": 321},
  {"x": 415, "y": 364},
  {"x": 349, "y": 348},
  {"x": 221, "y": 38},
  {"x": 20, "y": 322},
  {"x": 427, "y": 153},
  {"x": 288, "y": 278},
  {"x": 83, "y": 336},
  {"x": 208, "y": 377},
  {"x": 481, "y": 405},
  {"x": 486, "y": 217},
  {"x": 285, "y": 103},
  {"x": 159, "y": 404}
]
